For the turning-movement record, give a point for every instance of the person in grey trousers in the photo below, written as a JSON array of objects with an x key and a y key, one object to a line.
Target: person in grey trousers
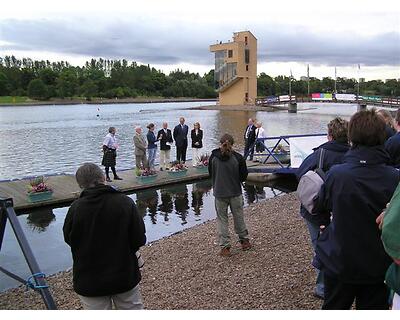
[
  {"x": 140, "y": 143},
  {"x": 228, "y": 170}
]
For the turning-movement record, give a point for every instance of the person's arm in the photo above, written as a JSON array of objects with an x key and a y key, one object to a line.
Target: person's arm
[
  {"x": 67, "y": 227},
  {"x": 210, "y": 165},
  {"x": 323, "y": 202},
  {"x": 200, "y": 135},
  {"x": 170, "y": 136},
  {"x": 175, "y": 132},
  {"x": 243, "y": 173},
  {"x": 309, "y": 163}
]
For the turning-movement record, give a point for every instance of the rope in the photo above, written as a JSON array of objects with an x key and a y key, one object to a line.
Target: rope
[{"x": 31, "y": 285}]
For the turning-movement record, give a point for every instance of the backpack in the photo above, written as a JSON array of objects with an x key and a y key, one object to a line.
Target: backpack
[{"x": 310, "y": 184}]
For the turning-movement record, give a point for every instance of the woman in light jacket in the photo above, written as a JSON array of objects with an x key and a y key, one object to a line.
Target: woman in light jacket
[
  {"x": 197, "y": 143},
  {"x": 260, "y": 133}
]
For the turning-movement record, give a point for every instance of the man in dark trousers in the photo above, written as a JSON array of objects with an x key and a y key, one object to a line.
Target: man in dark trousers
[
  {"x": 181, "y": 141},
  {"x": 249, "y": 139},
  {"x": 104, "y": 231},
  {"x": 165, "y": 138}
]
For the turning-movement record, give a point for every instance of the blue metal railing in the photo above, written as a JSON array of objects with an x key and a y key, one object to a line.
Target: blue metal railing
[{"x": 272, "y": 151}]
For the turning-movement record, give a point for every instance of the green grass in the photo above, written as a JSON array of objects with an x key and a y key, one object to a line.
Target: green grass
[{"x": 9, "y": 99}]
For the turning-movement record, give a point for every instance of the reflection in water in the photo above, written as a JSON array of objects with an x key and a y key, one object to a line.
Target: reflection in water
[{"x": 40, "y": 219}]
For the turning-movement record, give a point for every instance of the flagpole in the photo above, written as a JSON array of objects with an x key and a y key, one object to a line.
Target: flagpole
[
  {"x": 358, "y": 83},
  {"x": 290, "y": 86},
  {"x": 335, "y": 81},
  {"x": 308, "y": 80}
]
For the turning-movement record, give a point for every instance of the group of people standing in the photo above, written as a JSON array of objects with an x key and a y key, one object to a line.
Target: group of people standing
[
  {"x": 146, "y": 146},
  {"x": 359, "y": 160}
]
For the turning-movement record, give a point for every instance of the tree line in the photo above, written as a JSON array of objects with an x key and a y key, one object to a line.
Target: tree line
[
  {"x": 268, "y": 86},
  {"x": 105, "y": 78}
]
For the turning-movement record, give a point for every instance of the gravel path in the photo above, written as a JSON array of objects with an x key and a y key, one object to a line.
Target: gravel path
[{"x": 184, "y": 271}]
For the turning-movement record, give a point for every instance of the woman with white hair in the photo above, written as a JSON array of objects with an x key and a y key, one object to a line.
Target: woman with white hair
[{"x": 260, "y": 133}]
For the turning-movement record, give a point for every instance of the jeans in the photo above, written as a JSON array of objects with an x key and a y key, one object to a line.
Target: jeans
[
  {"x": 314, "y": 230},
  {"x": 129, "y": 300},
  {"x": 152, "y": 157},
  {"x": 236, "y": 205}
]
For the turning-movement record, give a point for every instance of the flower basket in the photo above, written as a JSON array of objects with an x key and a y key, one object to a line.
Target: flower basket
[
  {"x": 146, "y": 179},
  {"x": 146, "y": 176},
  {"x": 201, "y": 169},
  {"x": 39, "y": 190},
  {"x": 177, "y": 173},
  {"x": 40, "y": 196}
]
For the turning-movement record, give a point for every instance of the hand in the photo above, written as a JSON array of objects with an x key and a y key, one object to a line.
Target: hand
[{"x": 379, "y": 220}]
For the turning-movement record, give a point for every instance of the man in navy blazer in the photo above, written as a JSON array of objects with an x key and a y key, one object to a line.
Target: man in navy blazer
[{"x": 181, "y": 140}]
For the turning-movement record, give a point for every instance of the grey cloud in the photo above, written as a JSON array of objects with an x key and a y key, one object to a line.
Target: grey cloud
[{"x": 152, "y": 42}]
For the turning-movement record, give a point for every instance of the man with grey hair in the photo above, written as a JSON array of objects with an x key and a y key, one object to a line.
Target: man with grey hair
[
  {"x": 181, "y": 141},
  {"x": 140, "y": 143},
  {"x": 165, "y": 137},
  {"x": 104, "y": 231}
]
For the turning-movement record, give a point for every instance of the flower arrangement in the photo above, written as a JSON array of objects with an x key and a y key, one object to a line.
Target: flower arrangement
[
  {"x": 38, "y": 185},
  {"x": 146, "y": 175},
  {"x": 38, "y": 190},
  {"x": 177, "y": 169},
  {"x": 202, "y": 161},
  {"x": 145, "y": 172},
  {"x": 177, "y": 166}
]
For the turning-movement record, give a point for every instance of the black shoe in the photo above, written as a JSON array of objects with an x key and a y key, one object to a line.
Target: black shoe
[
  {"x": 161, "y": 169},
  {"x": 117, "y": 178},
  {"x": 108, "y": 179}
]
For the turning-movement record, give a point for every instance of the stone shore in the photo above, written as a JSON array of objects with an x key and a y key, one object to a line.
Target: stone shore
[{"x": 184, "y": 271}]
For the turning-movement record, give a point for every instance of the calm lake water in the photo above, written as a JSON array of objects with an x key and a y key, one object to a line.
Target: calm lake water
[
  {"x": 39, "y": 140},
  {"x": 55, "y": 139}
]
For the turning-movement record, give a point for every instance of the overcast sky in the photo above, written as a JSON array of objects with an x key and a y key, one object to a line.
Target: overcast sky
[{"x": 171, "y": 34}]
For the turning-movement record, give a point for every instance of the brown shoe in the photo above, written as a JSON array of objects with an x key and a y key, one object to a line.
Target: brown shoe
[
  {"x": 225, "y": 252},
  {"x": 245, "y": 244}
]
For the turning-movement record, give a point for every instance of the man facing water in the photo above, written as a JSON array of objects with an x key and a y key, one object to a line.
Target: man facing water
[{"x": 104, "y": 231}]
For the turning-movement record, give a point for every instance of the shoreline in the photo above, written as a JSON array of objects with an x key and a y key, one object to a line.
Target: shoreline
[
  {"x": 184, "y": 272},
  {"x": 103, "y": 101}
]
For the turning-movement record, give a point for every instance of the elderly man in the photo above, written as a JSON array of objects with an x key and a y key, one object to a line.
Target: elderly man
[
  {"x": 165, "y": 138},
  {"x": 104, "y": 231},
  {"x": 181, "y": 141},
  {"x": 140, "y": 143}
]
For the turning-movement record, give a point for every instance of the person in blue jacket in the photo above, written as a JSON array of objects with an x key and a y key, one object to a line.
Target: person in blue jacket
[
  {"x": 349, "y": 250},
  {"x": 151, "y": 145},
  {"x": 392, "y": 145},
  {"x": 334, "y": 151}
]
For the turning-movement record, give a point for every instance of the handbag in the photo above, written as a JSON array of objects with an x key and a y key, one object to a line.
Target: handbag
[{"x": 310, "y": 184}]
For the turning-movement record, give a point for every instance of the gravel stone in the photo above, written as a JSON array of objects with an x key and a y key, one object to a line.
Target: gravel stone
[{"x": 184, "y": 271}]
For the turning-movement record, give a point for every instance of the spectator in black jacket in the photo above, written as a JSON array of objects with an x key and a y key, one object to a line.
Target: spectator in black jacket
[
  {"x": 349, "y": 251},
  {"x": 104, "y": 232},
  {"x": 334, "y": 151},
  {"x": 392, "y": 145},
  {"x": 228, "y": 170},
  {"x": 165, "y": 138},
  {"x": 181, "y": 141},
  {"x": 197, "y": 143},
  {"x": 249, "y": 139}
]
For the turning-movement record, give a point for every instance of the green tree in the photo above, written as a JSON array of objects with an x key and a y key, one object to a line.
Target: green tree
[
  {"x": 37, "y": 90},
  {"x": 88, "y": 89}
]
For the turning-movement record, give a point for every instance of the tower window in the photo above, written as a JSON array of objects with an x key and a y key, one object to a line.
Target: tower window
[
  {"x": 230, "y": 53},
  {"x": 247, "y": 67},
  {"x": 245, "y": 41},
  {"x": 246, "y": 56}
]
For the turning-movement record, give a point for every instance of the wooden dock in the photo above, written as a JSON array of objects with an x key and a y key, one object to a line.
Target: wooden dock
[{"x": 66, "y": 190}]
